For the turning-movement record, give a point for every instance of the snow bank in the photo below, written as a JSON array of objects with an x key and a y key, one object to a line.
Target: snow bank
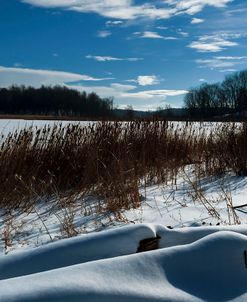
[
  {"x": 112, "y": 243},
  {"x": 182, "y": 236},
  {"x": 212, "y": 268}
]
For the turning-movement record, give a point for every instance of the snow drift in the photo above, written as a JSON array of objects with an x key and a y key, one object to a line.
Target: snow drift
[{"x": 192, "y": 264}]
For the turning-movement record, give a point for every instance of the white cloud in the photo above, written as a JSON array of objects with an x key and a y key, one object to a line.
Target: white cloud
[
  {"x": 225, "y": 62},
  {"x": 182, "y": 33},
  {"x": 162, "y": 27},
  {"x": 109, "y": 58},
  {"x": 153, "y": 35},
  {"x": 192, "y": 7},
  {"x": 228, "y": 70},
  {"x": 202, "y": 80},
  {"x": 214, "y": 43},
  {"x": 124, "y": 95},
  {"x": 128, "y": 10},
  {"x": 240, "y": 10},
  {"x": 121, "y": 87},
  {"x": 119, "y": 9},
  {"x": 230, "y": 58},
  {"x": 113, "y": 23},
  {"x": 151, "y": 94},
  {"x": 233, "y": 35},
  {"x": 196, "y": 21},
  {"x": 103, "y": 34},
  {"x": 36, "y": 77},
  {"x": 115, "y": 89},
  {"x": 147, "y": 80}
]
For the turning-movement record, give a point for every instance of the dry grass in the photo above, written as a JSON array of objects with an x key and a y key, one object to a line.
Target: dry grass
[{"x": 112, "y": 159}]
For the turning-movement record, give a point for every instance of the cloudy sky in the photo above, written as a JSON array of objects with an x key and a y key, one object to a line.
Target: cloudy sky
[{"x": 143, "y": 53}]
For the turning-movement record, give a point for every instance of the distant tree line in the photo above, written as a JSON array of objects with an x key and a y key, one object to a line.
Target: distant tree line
[
  {"x": 227, "y": 97},
  {"x": 58, "y": 101}
]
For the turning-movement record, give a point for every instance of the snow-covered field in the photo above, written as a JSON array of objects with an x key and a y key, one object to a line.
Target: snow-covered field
[
  {"x": 201, "y": 255},
  {"x": 171, "y": 205}
]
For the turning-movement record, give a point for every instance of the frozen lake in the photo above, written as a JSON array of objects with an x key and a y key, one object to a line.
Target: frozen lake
[{"x": 11, "y": 125}]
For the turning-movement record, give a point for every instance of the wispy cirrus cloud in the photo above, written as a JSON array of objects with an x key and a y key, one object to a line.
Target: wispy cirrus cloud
[
  {"x": 119, "y": 9},
  {"x": 110, "y": 59},
  {"x": 196, "y": 21},
  {"x": 240, "y": 9},
  {"x": 103, "y": 33},
  {"x": 36, "y": 77},
  {"x": 182, "y": 33},
  {"x": 162, "y": 27},
  {"x": 127, "y": 94},
  {"x": 114, "y": 22},
  {"x": 152, "y": 35},
  {"x": 129, "y": 10},
  {"x": 224, "y": 63},
  {"x": 151, "y": 94},
  {"x": 214, "y": 43},
  {"x": 192, "y": 7},
  {"x": 228, "y": 70}
]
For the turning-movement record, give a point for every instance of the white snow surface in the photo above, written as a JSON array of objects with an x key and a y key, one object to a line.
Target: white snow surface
[{"x": 200, "y": 264}]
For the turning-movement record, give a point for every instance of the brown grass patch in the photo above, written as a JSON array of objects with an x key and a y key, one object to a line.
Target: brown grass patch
[{"x": 112, "y": 159}]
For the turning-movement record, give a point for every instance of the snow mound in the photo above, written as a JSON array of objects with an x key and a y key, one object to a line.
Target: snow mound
[
  {"x": 66, "y": 252},
  {"x": 105, "y": 267},
  {"x": 212, "y": 269},
  {"x": 182, "y": 236}
]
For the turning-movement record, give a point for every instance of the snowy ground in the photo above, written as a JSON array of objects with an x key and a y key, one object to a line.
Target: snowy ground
[
  {"x": 191, "y": 264},
  {"x": 194, "y": 261},
  {"x": 184, "y": 204}
]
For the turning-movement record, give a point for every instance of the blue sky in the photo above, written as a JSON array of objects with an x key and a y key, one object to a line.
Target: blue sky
[{"x": 143, "y": 53}]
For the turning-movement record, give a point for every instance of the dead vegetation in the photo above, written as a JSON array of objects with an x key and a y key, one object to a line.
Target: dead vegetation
[{"x": 111, "y": 160}]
